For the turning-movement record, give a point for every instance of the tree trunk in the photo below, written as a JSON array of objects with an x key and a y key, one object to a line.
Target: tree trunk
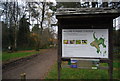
[
  {"x": 15, "y": 21},
  {"x": 43, "y": 12}
]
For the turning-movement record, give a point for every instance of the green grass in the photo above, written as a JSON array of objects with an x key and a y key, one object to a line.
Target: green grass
[
  {"x": 75, "y": 73},
  {"x": 8, "y": 56}
]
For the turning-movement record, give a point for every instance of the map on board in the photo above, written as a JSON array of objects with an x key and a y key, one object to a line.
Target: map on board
[{"x": 97, "y": 42}]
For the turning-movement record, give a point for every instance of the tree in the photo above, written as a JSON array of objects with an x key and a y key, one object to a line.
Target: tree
[
  {"x": 36, "y": 33},
  {"x": 40, "y": 13},
  {"x": 10, "y": 18},
  {"x": 23, "y": 32},
  {"x": 5, "y": 35},
  {"x": 47, "y": 38}
]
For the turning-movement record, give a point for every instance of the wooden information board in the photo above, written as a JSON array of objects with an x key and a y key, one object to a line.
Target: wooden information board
[{"x": 86, "y": 36}]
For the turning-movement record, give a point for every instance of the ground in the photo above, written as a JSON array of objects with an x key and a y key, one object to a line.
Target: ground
[
  {"x": 35, "y": 68},
  {"x": 39, "y": 67}
]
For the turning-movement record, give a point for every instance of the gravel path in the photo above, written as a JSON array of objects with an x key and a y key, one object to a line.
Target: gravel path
[{"x": 35, "y": 68}]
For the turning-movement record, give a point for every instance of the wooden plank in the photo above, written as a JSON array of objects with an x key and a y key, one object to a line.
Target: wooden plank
[{"x": 68, "y": 66}]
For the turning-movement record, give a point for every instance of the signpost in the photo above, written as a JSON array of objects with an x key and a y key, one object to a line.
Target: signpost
[{"x": 86, "y": 36}]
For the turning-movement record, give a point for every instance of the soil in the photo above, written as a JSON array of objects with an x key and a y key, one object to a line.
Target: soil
[{"x": 34, "y": 68}]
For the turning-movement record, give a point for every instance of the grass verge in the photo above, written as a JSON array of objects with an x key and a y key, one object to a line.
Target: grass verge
[
  {"x": 8, "y": 56},
  {"x": 74, "y": 73}
]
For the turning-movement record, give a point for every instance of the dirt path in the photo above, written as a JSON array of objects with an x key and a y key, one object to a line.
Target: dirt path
[{"x": 35, "y": 68}]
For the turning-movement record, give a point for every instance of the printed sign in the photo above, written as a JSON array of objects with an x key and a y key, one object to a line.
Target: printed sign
[{"x": 91, "y": 43}]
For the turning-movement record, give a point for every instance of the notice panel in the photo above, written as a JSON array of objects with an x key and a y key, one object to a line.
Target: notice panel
[{"x": 91, "y": 43}]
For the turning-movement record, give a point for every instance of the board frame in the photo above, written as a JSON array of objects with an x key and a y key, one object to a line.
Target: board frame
[{"x": 93, "y": 21}]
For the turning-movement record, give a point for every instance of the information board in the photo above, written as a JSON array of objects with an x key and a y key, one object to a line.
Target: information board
[{"x": 91, "y": 43}]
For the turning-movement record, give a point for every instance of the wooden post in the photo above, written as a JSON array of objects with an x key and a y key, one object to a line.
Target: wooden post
[
  {"x": 23, "y": 76},
  {"x": 110, "y": 70},
  {"x": 110, "y": 64},
  {"x": 59, "y": 50}
]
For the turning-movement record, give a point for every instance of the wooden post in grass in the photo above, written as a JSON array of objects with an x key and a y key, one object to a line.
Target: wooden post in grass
[
  {"x": 59, "y": 51},
  {"x": 23, "y": 76},
  {"x": 110, "y": 64}
]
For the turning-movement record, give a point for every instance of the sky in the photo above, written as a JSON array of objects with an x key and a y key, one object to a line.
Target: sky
[
  {"x": 118, "y": 23},
  {"x": 21, "y": 2}
]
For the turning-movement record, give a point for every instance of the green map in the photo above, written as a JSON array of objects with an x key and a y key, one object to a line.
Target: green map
[{"x": 97, "y": 42}]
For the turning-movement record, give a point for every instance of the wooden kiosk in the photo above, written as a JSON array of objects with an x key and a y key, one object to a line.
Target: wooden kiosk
[{"x": 85, "y": 18}]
